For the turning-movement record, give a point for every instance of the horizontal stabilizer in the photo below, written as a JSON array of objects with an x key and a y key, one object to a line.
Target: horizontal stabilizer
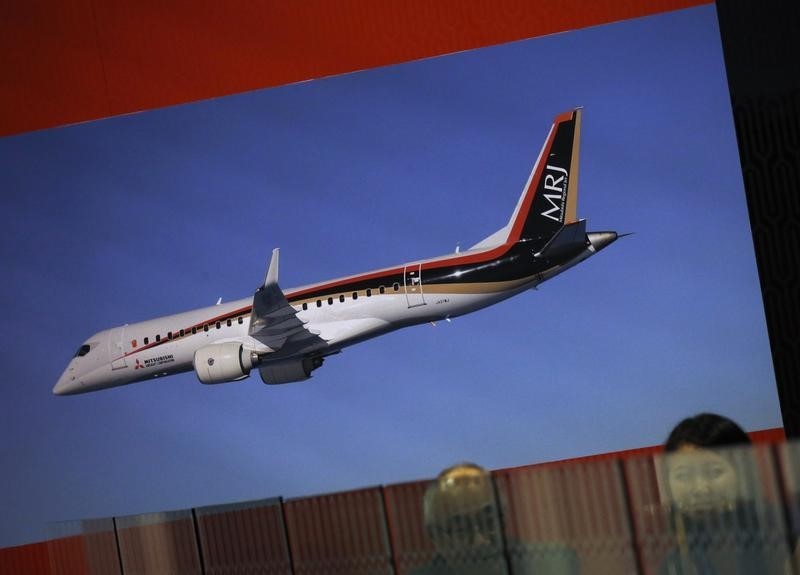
[{"x": 570, "y": 238}]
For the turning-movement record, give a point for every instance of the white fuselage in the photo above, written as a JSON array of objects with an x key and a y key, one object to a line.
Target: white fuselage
[{"x": 121, "y": 355}]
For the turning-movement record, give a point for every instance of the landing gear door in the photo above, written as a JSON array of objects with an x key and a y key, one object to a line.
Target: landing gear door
[
  {"x": 116, "y": 348},
  {"x": 412, "y": 280}
]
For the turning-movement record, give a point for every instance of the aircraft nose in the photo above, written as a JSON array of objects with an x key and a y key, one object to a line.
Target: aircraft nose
[
  {"x": 60, "y": 388},
  {"x": 67, "y": 384}
]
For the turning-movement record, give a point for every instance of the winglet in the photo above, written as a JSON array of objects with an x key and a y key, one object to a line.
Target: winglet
[{"x": 272, "y": 272}]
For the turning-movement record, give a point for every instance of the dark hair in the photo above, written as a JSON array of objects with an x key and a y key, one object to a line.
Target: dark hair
[{"x": 706, "y": 430}]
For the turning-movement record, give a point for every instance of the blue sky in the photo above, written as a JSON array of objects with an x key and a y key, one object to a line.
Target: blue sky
[{"x": 134, "y": 217}]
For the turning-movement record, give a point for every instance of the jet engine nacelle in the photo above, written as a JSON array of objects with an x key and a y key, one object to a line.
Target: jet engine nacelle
[
  {"x": 289, "y": 370},
  {"x": 222, "y": 362}
]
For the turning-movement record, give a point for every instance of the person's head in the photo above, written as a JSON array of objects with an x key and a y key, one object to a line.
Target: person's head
[
  {"x": 460, "y": 511},
  {"x": 700, "y": 477},
  {"x": 706, "y": 430}
]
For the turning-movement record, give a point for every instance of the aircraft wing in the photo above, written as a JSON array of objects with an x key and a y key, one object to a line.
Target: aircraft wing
[{"x": 273, "y": 321}]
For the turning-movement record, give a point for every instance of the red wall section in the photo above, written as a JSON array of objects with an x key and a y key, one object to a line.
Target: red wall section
[
  {"x": 51, "y": 71},
  {"x": 28, "y": 559},
  {"x": 66, "y": 62},
  {"x": 68, "y": 556},
  {"x": 606, "y": 506},
  {"x": 774, "y": 435},
  {"x": 339, "y": 533},
  {"x": 234, "y": 538}
]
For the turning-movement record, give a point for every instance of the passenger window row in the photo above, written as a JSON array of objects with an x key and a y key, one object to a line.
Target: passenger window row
[
  {"x": 205, "y": 327},
  {"x": 354, "y": 295}
]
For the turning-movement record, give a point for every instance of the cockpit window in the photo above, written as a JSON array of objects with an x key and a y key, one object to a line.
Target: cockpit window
[{"x": 83, "y": 350}]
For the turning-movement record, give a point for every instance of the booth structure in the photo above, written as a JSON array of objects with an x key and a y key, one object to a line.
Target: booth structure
[{"x": 603, "y": 514}]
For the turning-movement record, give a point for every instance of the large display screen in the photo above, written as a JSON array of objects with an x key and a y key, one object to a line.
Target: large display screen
[{"x": 134, "y": 217}]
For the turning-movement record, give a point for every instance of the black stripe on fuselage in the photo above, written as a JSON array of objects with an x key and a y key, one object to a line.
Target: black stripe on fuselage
[{"x": 515, "y": 263}]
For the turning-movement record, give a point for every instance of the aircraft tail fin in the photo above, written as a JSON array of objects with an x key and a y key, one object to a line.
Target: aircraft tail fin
[{"x": 549, "y": 200}]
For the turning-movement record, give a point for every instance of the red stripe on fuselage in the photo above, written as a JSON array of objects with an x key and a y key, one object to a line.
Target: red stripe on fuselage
[
  {"x": 188, "y": 331},
  {"x": 430, "y": 265}
]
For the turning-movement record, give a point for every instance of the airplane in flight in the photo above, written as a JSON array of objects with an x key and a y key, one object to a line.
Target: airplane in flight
[{"x": 287, "y": 334}]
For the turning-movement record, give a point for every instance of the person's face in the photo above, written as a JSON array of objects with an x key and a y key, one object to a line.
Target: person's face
[
  {"x": 701, "y": 480},
  {"x": 467, "y": 531}
]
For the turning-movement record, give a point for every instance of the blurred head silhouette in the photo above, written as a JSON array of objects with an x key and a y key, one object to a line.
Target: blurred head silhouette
[{"x": 461, "y": 515}]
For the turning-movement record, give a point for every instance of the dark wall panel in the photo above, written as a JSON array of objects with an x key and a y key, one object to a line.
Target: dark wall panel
[
  {"x": 411, "y": 544},
  {"x": 760, "y": 42},
  {"x": 557, "y": 517},
  {"x": 158, "y": 543},
  {"x": 244, "y": 537},
  {"x": 337, "y": 534}
]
